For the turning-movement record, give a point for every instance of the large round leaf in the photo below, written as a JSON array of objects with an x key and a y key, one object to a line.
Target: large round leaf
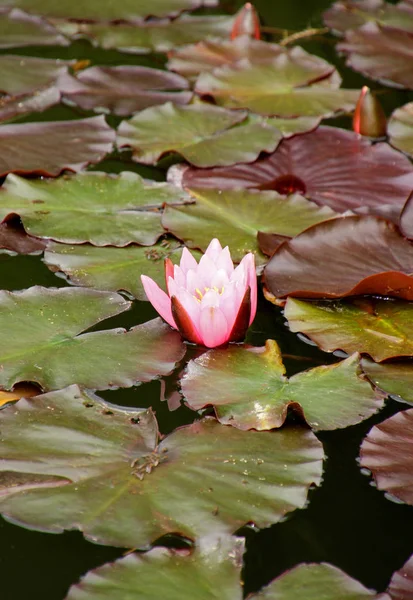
[
  {"x": 71, "y": 461},
  {"x": 20, "y": 29},
  {"x": 387, "y": 452},
  {"x": 343, "y": 257},
  {"x": 210, "y": 572},
  {"x": 48, "y": 148},
  {"x": 90, "y": 207},
  {"x": 350, "y": 14},
  {"x": 329, "y": 165},
  {"x": 42, "y": 327},
  {"x": 400, "y": 128},
  {"x": 394, "y": 378},
  {"x": 13, "y": 107},
  {"x": 381, "y": 328},
  {"x": 123, "y": 90},
  {"x": 203, "y": 134},
  {"x": 248, "y": 389},
  {"x": 236, "y": 216},
  {"x": 113, "y": 268},
  {"x": 25, "y": 74}
]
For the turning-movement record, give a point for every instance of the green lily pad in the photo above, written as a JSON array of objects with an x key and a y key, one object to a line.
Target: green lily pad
[
  {"x": 249, "y": 390},
  {"x": 236, "y": 216},
  {"x": 90, "y": 207},
  {"x": 400, "y": 128},
  {"x": 41, "y": 326},
  {"x": 394, "y": 378},
  {"x": 113, "y": 268},
  {"x": 108, "y": 476},
  {"x": 203, "y": 134},
  {"x": 381, "y": 328},
  {"x": 25, "y": 74},
  {"x": 20, "y": 29}
]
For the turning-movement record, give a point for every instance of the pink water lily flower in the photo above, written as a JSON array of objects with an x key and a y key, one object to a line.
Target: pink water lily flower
[{"x": 210, "y": 303}]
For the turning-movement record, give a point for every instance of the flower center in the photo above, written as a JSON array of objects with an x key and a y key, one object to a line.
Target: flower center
[{"x": 199, "y": 295}]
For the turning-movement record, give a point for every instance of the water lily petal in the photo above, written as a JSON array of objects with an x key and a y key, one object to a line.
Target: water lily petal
[
  {"x": 169, "y": 271},
  {"x": 252, "y": 282},
  {"x": 206, "y": 270},
  {"x": 220, "y": 279},
  {"x": 214, "y": 250},
  {"x": 185, "y": 324},
  {"x": 224, "y": 261},
  {"x": 213, "y": 327},
  {"x": 159, "y": 300},
  {"x": 241, "y": 322},
  {"x": 187, "y": 261},
  {"x": 179, "y": 276}
]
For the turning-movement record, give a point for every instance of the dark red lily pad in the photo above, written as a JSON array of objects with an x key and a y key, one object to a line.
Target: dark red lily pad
[
  {"x": 25, "y": 74},
  {"x": 401, "y": 584},
  {"x": 20, "y": 29},
  {"x": 48, "y": 148},
  {"x": 123, "y": 90},
  {"x": 388, "y": 452},
  {"x": 400, "y": 128},
  {"x": 341, "y": 257},
  {"x": 329, "y": 165},
  {"x": 381, "y": 53},
  {"x": 14, "y": 238},
  {"x": 350, "y": 14}
]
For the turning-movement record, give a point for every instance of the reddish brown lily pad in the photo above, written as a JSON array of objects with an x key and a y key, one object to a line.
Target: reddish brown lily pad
[
  {"x": 350, "y": 14},
  {"x": 343, "y": 257},
  {"x": 13, "y": 107},
  {"x": 401, "y": 584},
  {"x": 25, "y": 74},
  {"x": 406, "y": 218},
  {"x": 20, "y": 29},
  {"x": 400, "y": 128},
  {"x": 48, "y": 148},
  {"x": 14, "y": 238},
  {"x": 123, "y": 90},
  {"x": 329, "y": 165}
]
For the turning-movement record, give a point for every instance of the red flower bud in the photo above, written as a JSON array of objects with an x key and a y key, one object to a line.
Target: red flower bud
[
  {"x": 247, "y": 22},
  {"x": 369, "y": 118}
]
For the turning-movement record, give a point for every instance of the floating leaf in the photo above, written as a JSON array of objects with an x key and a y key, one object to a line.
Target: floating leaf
[
  {"x": 343, "y": 257},
  {"x": 42, "y": 327},
  {"x": 108, "y": 476},
  {"x": 249, "y": 390},
  {"x": 387, "y": 452},
  {"x": 20, "y": 29},
  {"x": 381, "y": 328},
  {"x": 401, "y": 584},
  {"x": 329, "y": 165},
  {"x": 14, "y": 238},
  {"x": 236, "y": 216},
  {"x": 123, "y": 90},
  {"x": 21, "y": 391},
  {"x": 394, "y": 378},
  {"x": 203, "y": 134},
  {"x": 211, "y": 571},
  {"x": 400, "y": 128},
  {"x": 25, "y": 74},
  {"x": 342, "y": 16},
  {"x": 12, "y": 107},
  {"x": 90, "y": 207},
  {"x": 48, "y": 148},
  {"x": 406, "y": 218},
  {"x": 113, "y": 268}
]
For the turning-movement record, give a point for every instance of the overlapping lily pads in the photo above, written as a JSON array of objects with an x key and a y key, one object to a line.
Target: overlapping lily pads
[
  {"x": 400, "y": 128},
  {"x": 13, "y": 107},
  {"x": 15, "y": 239},
  {"x": 395, "y": 378},
  {"x": 123, "y": 90},
  {"x": 42, "y": 327},
  {"x": 90, "y": 207},
  {"x": 48, "y": 148},
  {"x": 205, "y": 135},
  {"x": 101, "y": 469},
  {"x": 342, "y": 16},
  {"x": 25, "y": 74},
  {"x": 381, "y": 328},
  {"x": 343, "y": 257},
  {"x": 401, "y": 584},
  {"x": 248, "y": 389},
  {"x": 329, "y": 165},
  {"x": 236, "y": 216},
  {"x": 21, "y": 29}
]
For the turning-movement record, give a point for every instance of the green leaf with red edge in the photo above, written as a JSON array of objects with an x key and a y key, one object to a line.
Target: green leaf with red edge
[
  {"x": 203, "y": 134},
  {"x": 21, "y": 29},
  {"x": 400, "y": 128},
  {"x": 248, "y": 389},
  {"x": 342, "y": 16},
  {"x": 110, "y": 477},
  {"x": 381, "y": 328},
  {"x": 236, "y": 216},
  {"x": 395, "y": 378}
]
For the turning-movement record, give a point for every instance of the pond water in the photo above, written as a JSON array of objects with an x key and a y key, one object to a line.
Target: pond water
[{"x": 347, "y": 522}]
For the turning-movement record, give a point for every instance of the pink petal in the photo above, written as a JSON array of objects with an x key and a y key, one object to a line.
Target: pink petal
[
  {"x": 187, "y": 261},
  {"x": 224, "y": 261},
  {"x": 252, "y": 282},
  {"x": 159, "y": 300},
  {"x": 184, "y": 322},
  {"x": 193, "y": 281},
  {"x": 213, "y": 327},
  {"x": 169, "y": 270},
  {"x": 191, "y": 305},
  {"x": 230, "y": 302},
  {"x": 178, "y": 276},
  {"x": 220, "y": 279},
  {"x": 206, "y": 270},
  {"x": 214, "y": 249}
]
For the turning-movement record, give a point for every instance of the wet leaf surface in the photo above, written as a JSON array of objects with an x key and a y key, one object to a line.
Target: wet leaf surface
[
  {"x": 249, "y": 389},
  {"x": 236, "y": 216},
  {"x": 13, "y": 107},
  {"x": 342, "y": 16},
  {"x": 108, "y": 476},
  {"x": 203, "y": 134},
  {"x": 343, "y": 257},
  {"x": 42, "y": 327},
  {"x": 123, "y": 90},
  {"x": 48, "y": 148},
  {"x": 14, "y": 238},
  {"x": 394, "y": 378},
  {"x": 400, "y": 128},
  {"x": 21, "y": 29},
  {"x": 331, "y": 166},
  {"x": 90, "y": 207},
  {"x": 381, "y": 328},
  {"x": 26, "y": 74}
]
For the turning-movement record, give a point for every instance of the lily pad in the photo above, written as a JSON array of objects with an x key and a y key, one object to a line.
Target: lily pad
[
  {"x": 329, "y": 165},
  {"x": 348, "y": 256},
  {"x": 12, "y": 107},
  {"x": 394, "y": 378},
  {"x": 381, "y": 328},
  {"x": 123, "y": 90},
  {"x": 90, "y": 207},
  {"x": 121, "y": 487},
  {"x": 48, "y": 148},
  {"x": 42, "y": 327},
  {"x": 211, "y": 571},
  {"x": 20, "y": 29},
  {"x": 249, "y": 389},
  {"x": 106, "y": 10},
  {"x": 387, "y": 453},
  {"x": 203, "y": 134},
  {"x": 400, "y": 128},
  {"x": 406, "y": 218},
  {"x": 15, "y": 239},
  {"x": 236, "y": 217},
  {"x": 342, "y": 16},
  {"x": 401, "y": 584},
  {"x": 113, "y": 268},
  {"x": 25, "y": 74},
  {"x": 381, "y": 53}
]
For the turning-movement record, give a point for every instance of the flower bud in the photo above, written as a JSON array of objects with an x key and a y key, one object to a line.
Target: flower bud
[
  {"x": 247, "y": 22},
  {"x": 369, "y": 118}
]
